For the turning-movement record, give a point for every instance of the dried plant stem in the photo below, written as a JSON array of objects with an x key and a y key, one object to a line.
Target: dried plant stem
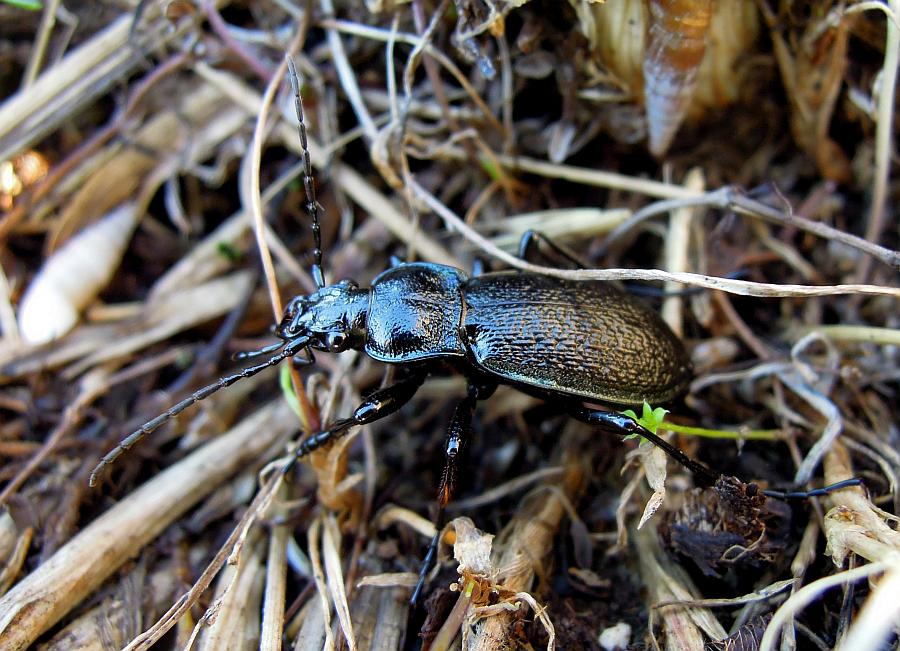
[
  {"x": 36, "y": 57},
  {"x": 745, "y": 332},
  {"x": 249, "y": 58},
  {"x": 232, "y": 621},
  {"x": 350, "y": 181},
  {"x": 884, "y": 130},
  {"x": 83, "y": 75},
  {"x": 43, "y": 597},
  {"x": 529, "y": 538},
  {"x": 276, "y": 587},
  {"x": 677, "y": 196},
  {"x": 347, "y": 77},
  {"x": 313, "y": 537},
  {"x": 95, "y": 385},
  {"x": 810, "y": 593},
  {"x": 60, "y": 171},
  {"x": 858, "y": 333},
  {"x": 676, "y": 252},
  {"x": 239, "y": 534},
  {"x": 875, "y": 625},
  {"x": 251, "y": 198},
  {"x": 412, "y": 39},
  {"x": 8, "y": 323},
  {"x": 742, "y": 287},
  {"x": 852, "y": 524},
  {"x": 667, "y": 583}
]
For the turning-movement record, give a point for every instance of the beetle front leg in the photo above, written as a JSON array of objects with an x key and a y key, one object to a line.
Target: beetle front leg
[
  {"x": 375, "y": 406},
  {"x": 624, "y": 426}
]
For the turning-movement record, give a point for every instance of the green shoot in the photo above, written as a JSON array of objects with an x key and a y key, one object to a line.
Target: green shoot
[
  {"x": 287, "y": 388},
  {"x": 650, "y": 419}
]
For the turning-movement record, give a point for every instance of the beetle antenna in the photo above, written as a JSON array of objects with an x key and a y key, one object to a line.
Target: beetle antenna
[
  {"x": 309, "y": 183},
  {"x": 291, "y": 349},
  {"x": 250, "y": 354}
]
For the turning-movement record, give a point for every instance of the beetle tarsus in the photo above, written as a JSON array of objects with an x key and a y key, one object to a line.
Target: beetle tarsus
[
  {"x": 429, "y": 560},
  {"x": 815, "y": 492}
]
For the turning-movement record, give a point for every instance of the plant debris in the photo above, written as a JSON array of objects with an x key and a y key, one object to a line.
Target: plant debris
[{"x": 739, "y": 167}]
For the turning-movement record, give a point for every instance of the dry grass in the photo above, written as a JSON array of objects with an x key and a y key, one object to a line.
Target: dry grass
[{"x": 148, "y": 155}]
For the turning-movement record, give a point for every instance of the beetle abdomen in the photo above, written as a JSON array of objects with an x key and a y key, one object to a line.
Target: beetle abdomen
[{"x": 577, "y": 338}]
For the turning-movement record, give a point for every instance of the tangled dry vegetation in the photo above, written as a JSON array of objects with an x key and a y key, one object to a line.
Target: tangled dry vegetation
[{"x": 149, "y": 162}]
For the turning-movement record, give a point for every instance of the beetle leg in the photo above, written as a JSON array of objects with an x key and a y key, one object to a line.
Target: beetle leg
[
  {"x": 532, "y": 241},
  {"x": 624, "y": 426},
  {"x": 306, "y": 359},
  {"x": 458, "y": 433},
  {"x": 375, "y": 406},
  {"x": 816, "y": 492}
]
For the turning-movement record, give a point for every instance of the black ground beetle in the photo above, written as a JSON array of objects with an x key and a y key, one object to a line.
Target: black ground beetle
[{"x": 562, "y": 340}]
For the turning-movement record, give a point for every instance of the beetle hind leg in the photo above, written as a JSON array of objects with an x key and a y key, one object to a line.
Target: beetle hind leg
[
  {"x": 535, "y": 244},
  {"x": 624, "y": 426}
]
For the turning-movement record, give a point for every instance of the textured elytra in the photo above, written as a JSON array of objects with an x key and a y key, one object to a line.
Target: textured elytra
[{"x": 583, "y": 339}]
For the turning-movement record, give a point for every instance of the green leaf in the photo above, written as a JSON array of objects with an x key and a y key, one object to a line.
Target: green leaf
[
  {"x": 30, "y": 5},
  {"x": 229, "y": 252},
  {"x": 488, "y": 165}
]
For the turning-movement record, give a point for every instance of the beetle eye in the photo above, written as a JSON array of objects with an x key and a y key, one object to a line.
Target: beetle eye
[{"x": 336, "y": 341}]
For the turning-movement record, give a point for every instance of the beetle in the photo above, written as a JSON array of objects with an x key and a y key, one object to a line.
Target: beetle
[{"x": 570, "y": 341}]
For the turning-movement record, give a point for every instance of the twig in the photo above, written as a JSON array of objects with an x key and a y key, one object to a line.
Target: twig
[
  {"x": 42, "y": 598},
  {"x": 875, "y": 625},
  {"x": 36, "y": 56},
  {"x": 84, "y": 74},
  {"x": 276, "y": 586},
  {"x": 352, "y": 183},
  {"x": 810, "y": 593},
  {"x": 677, "y": 244},
  {"x": 440, "y": 57},
  {"x": 347, "y": 76},
  {"x": 250, "y": 59},
  {"x": 740, "y": 326},
  {"x": 742, "y": 287},
  {"x": 98, "y": 139},
  {"x": 71, "y": 417},
  {"x": 884, "y": 129}
]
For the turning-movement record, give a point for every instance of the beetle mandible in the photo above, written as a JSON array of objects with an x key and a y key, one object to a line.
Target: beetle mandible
[{"x": 566, "y": 340}]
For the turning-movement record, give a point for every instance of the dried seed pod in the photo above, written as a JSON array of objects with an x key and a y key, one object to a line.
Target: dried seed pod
[
  {"x": 676, "y": 45},
  {"x": 677, "y": 56},
  {"x": 73, "y": 276},
  {"x": 619, "y": 40},
  {"x": 727, "y": 525}
]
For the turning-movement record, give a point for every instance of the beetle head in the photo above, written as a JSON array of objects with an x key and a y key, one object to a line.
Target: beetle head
[{"x": 332, "y": 319}]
